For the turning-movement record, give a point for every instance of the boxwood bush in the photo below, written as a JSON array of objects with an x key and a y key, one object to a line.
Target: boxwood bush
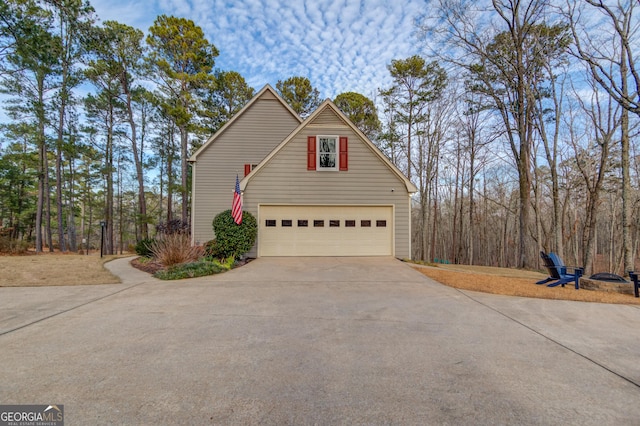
[{"x": 233, "y": 240}]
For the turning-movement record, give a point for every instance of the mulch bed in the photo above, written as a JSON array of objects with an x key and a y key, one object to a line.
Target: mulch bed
[{"x": 149, "y": 267}]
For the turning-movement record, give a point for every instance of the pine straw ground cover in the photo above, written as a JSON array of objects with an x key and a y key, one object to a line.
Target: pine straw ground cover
[
  {"x": 46, "y": 269},
  {"x": 515, "y": 282}
]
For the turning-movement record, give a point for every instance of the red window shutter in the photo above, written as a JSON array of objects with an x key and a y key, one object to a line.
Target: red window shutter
[
  {"x": 344, "y": 153},
  {"x": 311, "y": 153},
  {"x": 247, "y": 169}
]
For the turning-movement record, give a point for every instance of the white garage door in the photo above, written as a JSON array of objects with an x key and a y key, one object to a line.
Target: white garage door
[{"x": 325, "y": 231}]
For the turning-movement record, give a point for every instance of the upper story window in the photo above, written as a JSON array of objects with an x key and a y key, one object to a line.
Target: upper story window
[{"x": 327, "y": 153}]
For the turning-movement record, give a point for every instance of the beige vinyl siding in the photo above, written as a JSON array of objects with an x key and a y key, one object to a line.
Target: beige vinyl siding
[
  {"x": 327, "y": 117},
  {"x": 248, "y": 140},
  {"x": 286, "y": 180}
]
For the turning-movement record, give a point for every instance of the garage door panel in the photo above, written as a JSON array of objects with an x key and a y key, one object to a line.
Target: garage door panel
[{"x": 326, "y": 240}]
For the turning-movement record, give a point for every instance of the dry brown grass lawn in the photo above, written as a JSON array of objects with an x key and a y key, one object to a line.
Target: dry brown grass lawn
[
  {"x": 514, "y": 282},
  {"x": 54, "y": 269}
]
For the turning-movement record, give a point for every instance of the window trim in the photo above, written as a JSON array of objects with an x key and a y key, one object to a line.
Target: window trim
[
  {"x": 319, "y": 153},
  {"x": 248, "y": 168}
]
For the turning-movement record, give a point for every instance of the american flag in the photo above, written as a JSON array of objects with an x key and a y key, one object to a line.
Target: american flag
[{"x": 236, "y": 207}]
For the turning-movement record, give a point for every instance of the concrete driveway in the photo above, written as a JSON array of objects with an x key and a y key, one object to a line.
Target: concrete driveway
[{"x": 315, "y": 341}]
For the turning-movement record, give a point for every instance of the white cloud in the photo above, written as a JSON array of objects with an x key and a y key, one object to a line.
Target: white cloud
[
  {"x": 340, "y": 45},
  {"x": 127, "y": 12}
]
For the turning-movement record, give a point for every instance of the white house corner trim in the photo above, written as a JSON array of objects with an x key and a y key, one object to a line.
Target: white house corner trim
[
  {"x": 410, "y": 254},
  {"x": 193, "y": 204},
  {"x": 393, "y": 230}
]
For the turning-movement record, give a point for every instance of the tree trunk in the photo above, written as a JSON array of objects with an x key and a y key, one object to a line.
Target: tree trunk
[
  {"x": 161, "y": 179},
  {"x": 71, "y": 222},
  {"x": 170, "y": 178},
  {"x": 108, "y": 214},
  {"x": 83, "y": 221},
  {"x": 472, "y": 175},
  {"x": 90, "y": 222},
  {"x": 539, "y": 233},
  {"x": 434, "y": 229},
  {"x": 60, "y": 221},
  {"x": 524, "y": 207},
  {"x": 184, "y": 141},
  {"x": 627, "y": 203},
  {"x": 590, "y": 231},
  {"x": 39, "y": 210},
  {"x": 612, "y": 234},
  {"x": 138, "y": 160},
  {"x": 455, "y": 231},
  {"x": 120, "y": 209},
  {"x": 47, "y": 200},
  {"x": 424, "y": 231},
  {"x": 42, "y": 151},
  {"x": 424, "y": 218},
  {"x": 59, "y": 150},
  {"x": 410, "y": 123}
]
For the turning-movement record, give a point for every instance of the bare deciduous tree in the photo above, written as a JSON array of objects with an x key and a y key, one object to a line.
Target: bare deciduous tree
[{"x": 610, "y": 57}]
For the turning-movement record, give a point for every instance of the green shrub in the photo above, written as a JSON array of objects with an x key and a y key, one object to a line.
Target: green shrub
[
  {"x": 211, "y": 251},
  {"x": 233, "y": 240},
  {"x": 200, "y": 268},
  {"x": 213, "y": 254},
  {"x": 173, "y": 249},
  {"x": 228, "y": 263},
  {"x": 143, "y": 247}
]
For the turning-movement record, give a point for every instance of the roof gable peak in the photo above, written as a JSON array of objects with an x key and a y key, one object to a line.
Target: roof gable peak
[
  {"x": 266, "y": 90},
  {"x": 328, "y": 104}
]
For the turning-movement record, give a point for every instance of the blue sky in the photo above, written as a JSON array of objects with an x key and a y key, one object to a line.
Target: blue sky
[{"x": 340, "y": 45}]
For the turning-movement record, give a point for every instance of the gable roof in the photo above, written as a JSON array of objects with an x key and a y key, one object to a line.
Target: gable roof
[
  {"x": 328, "y": 105},
  {"x": 266, "y": 92}
]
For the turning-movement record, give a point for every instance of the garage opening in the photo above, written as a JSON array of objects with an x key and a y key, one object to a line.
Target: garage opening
[{"x": 321, "y": 230}]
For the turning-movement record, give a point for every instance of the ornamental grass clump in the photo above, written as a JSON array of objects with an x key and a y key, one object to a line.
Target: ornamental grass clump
[{"x": 174, "y": 249}]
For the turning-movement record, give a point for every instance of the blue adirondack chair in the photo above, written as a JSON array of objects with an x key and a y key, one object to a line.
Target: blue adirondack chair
[
  {"x": 558, "y": 275},
  {"x": 551, "y": 267},
  {"x": 636, "y": 285}
]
